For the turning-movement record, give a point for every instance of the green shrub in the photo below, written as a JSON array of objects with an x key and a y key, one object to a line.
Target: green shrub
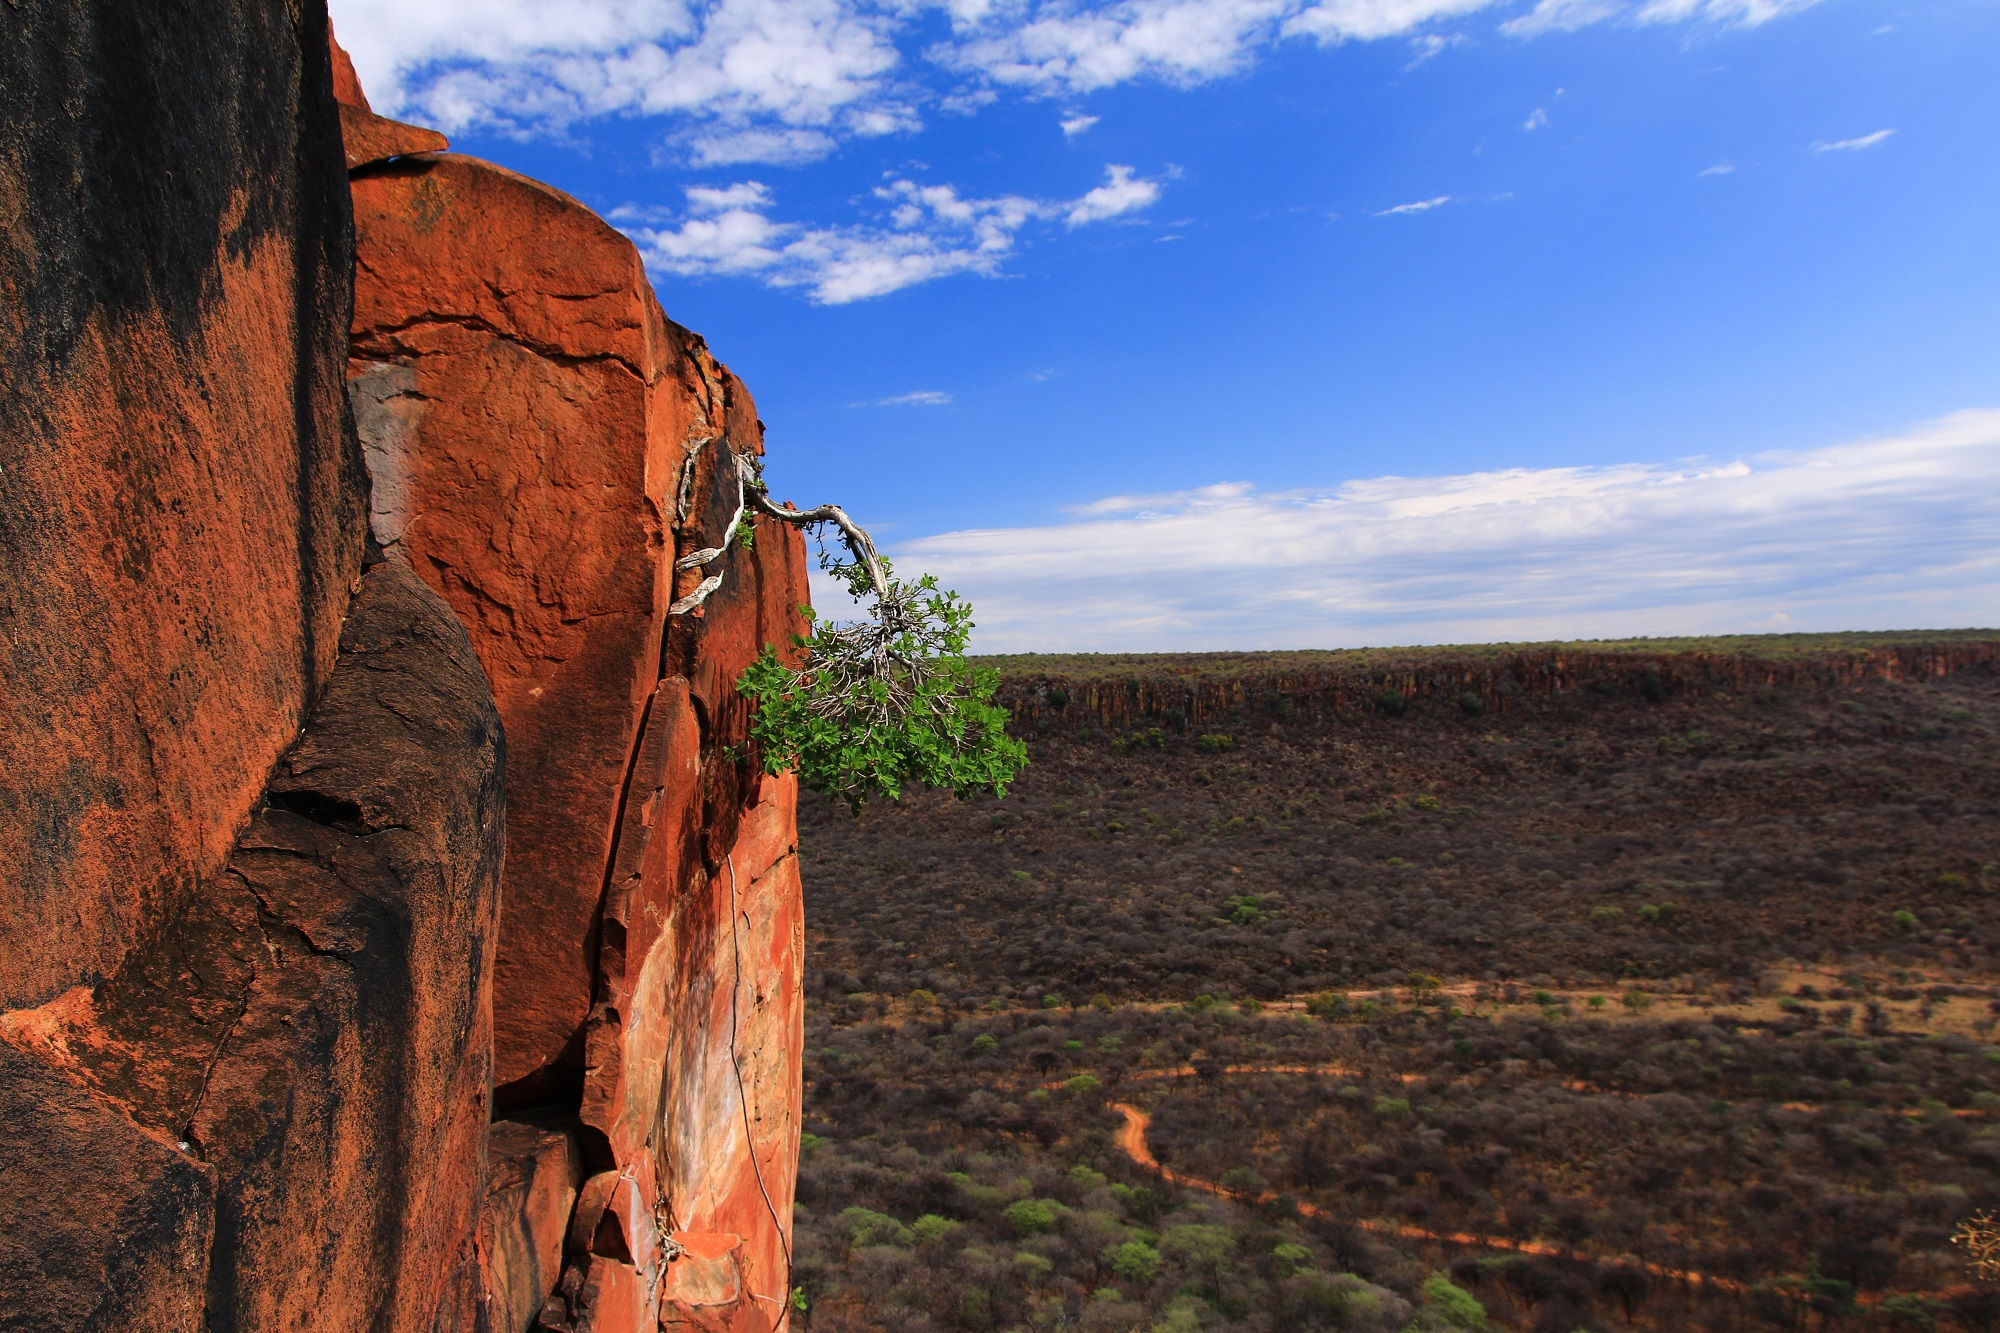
[
  {"x": 1243, "y": 910},
  {"x": 1083, "y": 1083},
  {"x": 1198, "y": 1245},
  {"x": 1457, "y": 1306},
  {"x": 1903, "y": 919},
  {"x": 1242, "y": 1180},
  {"x": 1031, "y": 1217},
  {"x": 1391, "y": 703},
  {"x": 1032, "y": 1266},
  {"x": 1291, "y": 1257},
  {"x": 865, "y": 1226},
  {"x": 1471, "y": 704},
  {"x": 1392, "y": 1106},
  {"x": 860, "y": 724},
  {"x": 1134, "y": 1261},
  {"x": 1217, "y": 741},
  {"x": 931, "y": 1229},
  {"x": 985, "y": 1043}
]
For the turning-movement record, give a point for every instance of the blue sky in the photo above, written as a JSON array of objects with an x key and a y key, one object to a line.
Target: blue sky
[{"x": 1182, "y": 324}]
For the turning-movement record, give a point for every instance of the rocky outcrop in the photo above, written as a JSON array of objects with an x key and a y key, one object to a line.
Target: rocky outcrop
[
  {"x": 545, "y": 446},
  {"x": 1211, "y": 689},
  {"x": 270, "y": 947}
]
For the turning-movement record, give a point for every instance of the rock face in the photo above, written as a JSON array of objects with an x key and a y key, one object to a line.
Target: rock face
[
  {"x": 181, "y": 511},
  {"x": 309, "y": 1030},
  {"x": 299, "y": 859},
  {"x": 545, "y": 445}
]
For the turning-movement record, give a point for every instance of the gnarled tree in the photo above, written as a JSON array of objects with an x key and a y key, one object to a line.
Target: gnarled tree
[{"x": 859, "y": 708}]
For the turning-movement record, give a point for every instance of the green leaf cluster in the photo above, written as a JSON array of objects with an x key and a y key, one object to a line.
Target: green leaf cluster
[{"x": 873, "y": 705}]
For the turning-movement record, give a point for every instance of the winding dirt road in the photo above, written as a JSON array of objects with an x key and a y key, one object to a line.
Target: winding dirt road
[{"x": 1132, "y": 1141}]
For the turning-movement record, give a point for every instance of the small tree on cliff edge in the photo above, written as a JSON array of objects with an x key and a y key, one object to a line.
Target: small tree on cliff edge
[{"x": 876, "y": 703}]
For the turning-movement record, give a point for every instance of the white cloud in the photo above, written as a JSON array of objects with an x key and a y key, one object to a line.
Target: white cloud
[
  {"x": 1055, "y": 47},
  {"x": 1421, "y": 206},
  {"x": 1331, "y": 21},
  {"x": 748, "y": 194},
  {"x": 782, "y": 81},
  {"x": 1077, "y": 124},
  {"x": 1427, "y": 45},
  {"x": 920, "y": 398},
  {"x": 1567, "y": 15},
  {"x": 1851, "y": 145},
  {"x": 1122, "y": 192},
  {"x": 1881, "y": 533},
  {"x": 738, "y": 74},
  {"x": 927, "y": 232},
  {"x": 1719, "y": 169},
  {"x": 1538, "y": 119}
]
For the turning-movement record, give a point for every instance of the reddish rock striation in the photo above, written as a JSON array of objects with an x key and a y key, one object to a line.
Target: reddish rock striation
[{"x": 260, "y": 983}]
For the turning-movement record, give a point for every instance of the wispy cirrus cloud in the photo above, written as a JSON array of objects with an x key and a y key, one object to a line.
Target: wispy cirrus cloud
[
  {"x": 916, "y": 398},
  {"x": 1569, "y": 15},
  {"x": 1851, "y": 145},
  {"x": 924, "y": 232},
  {"x": 1894, "y": 532},
  {"x": 1420, "y": 206}
]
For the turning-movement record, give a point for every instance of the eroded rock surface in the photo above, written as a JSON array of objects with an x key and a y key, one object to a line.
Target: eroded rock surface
[{"x": 545, "y": 445}]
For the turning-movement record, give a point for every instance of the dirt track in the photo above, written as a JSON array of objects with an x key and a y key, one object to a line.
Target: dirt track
[{"x": 1132, "y": 1141}]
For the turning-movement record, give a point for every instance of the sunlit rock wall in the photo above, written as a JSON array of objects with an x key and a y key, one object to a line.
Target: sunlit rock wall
[{"x": 545, "y": 444}]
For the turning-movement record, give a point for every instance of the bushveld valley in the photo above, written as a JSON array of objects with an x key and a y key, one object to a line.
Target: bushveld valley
[{"x": 1665, "y": 999}]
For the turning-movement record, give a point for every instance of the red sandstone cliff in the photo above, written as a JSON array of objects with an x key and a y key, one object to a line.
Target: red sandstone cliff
[
  {"x": 545, "y": 444},
  {"x": 293, "y": 1033}
]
